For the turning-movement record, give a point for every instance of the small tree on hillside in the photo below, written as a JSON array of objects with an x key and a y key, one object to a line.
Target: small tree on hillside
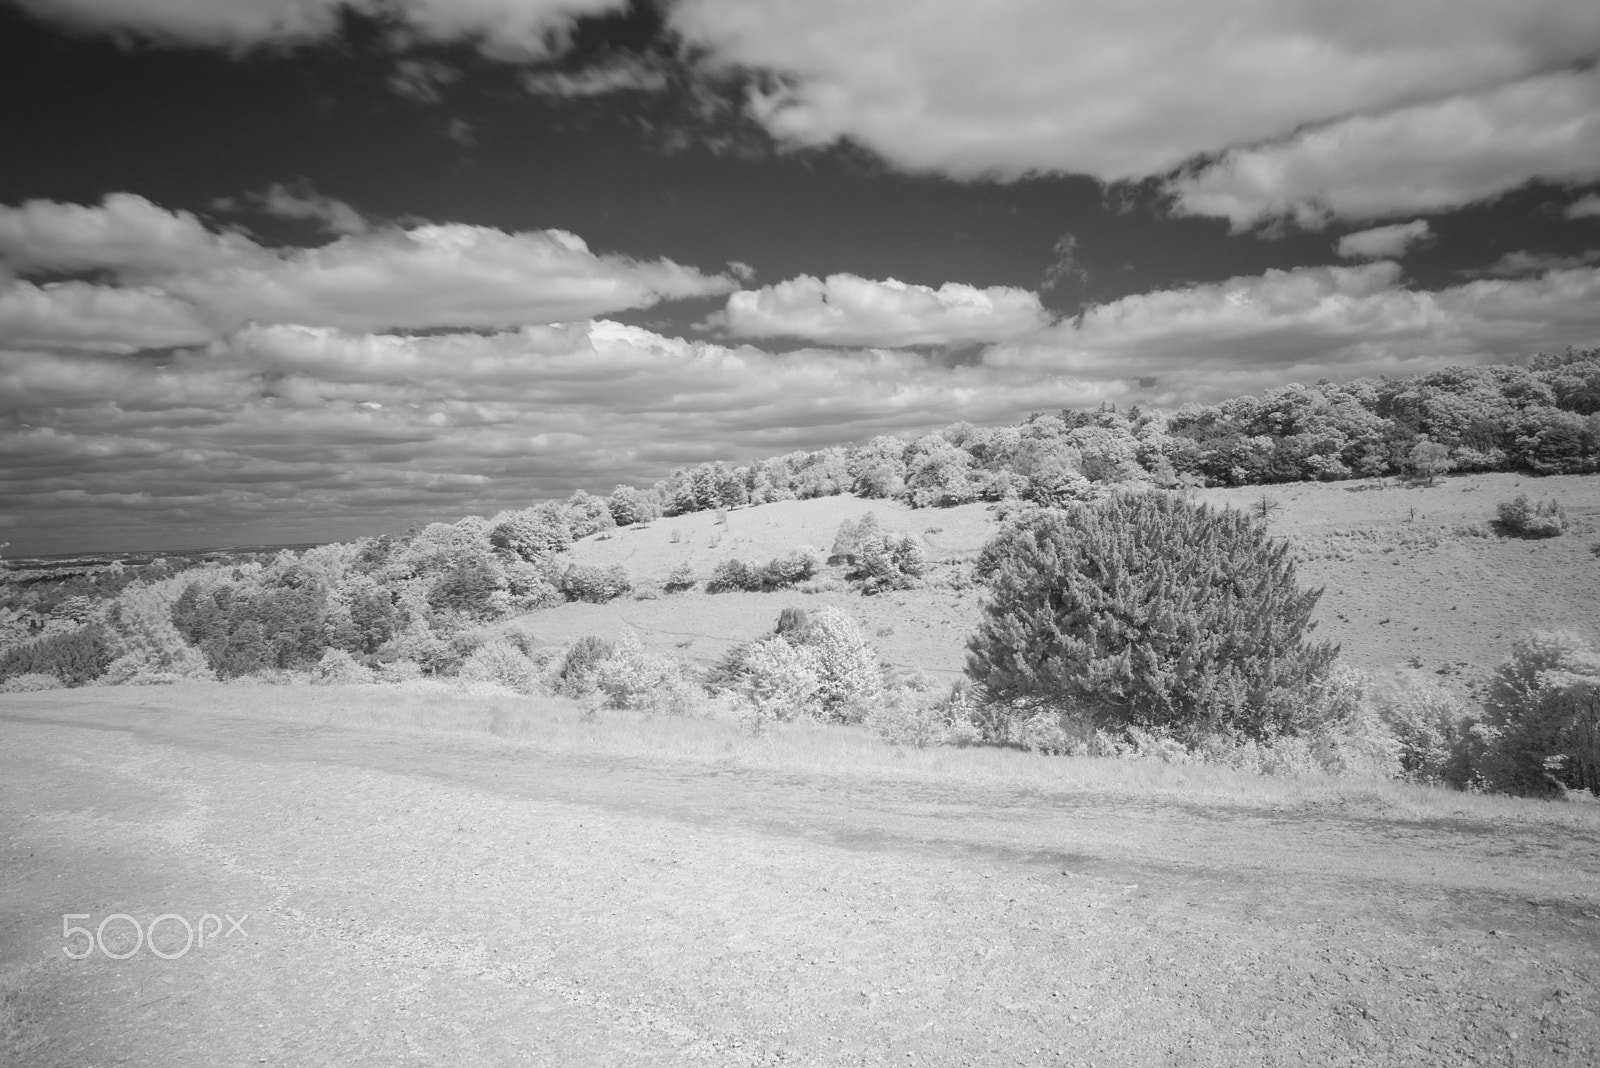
[
  {"x": 1147, "y": 610},
  {"x": 1429, "y": 460}
]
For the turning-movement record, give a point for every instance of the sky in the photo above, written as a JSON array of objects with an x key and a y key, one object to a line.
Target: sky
[{"x": 299, "y": 270}]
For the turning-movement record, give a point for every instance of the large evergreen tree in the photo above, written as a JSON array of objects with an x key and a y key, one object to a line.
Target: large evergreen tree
[{"x": 1148, "y": 610}]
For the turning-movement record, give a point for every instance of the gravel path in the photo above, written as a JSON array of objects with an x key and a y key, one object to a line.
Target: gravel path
[{"x": 417, "y": 899}]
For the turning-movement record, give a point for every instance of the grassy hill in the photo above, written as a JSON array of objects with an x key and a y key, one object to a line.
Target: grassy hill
[{"x": 1413, "y": 574}]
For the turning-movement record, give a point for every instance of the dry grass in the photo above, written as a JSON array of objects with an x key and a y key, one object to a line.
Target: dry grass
[{"x": 559, "y": 725}]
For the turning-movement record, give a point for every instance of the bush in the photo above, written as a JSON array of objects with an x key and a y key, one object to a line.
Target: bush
[
  {"x": 793, "y": 567},
  {"x": 913, "y": 715},
  {"x": 596, "y": 585},
  {"x": 30, "y": 682},
  {"x": 793, "y": 620},
  {"x": 1146, "y": 610},
  {"x": 1430, "y": 725},
  {"x": 847, "y": 540},
  {"x": 1540, "y": 733},
  {"x": 501, "y": 662},
  {"x": 850, "y": 679},
  {"x": 1524, "y": 519},
  {"x": 733, "y": 575},
  {"x": 889, "y": 562},
  {"x": 634, "y": 679},
  {"x": 679, "y": 579},
  {"x": 576, "y": 675},
  {"x": 338, "y": 667},
  {"x": 781, "y": 680}
]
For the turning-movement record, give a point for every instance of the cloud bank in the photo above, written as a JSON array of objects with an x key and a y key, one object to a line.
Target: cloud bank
[
  {"x": 128, "y": 416},
  {"x": 391, "y": 278},
  {"x": 845, "y": 309}
]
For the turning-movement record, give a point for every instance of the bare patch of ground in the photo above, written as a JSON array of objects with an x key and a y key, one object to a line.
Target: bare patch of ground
[{"x": 424, "y": 898}]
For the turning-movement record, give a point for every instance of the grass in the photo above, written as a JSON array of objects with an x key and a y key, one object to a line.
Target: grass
[{"x": 717, "y": 739}]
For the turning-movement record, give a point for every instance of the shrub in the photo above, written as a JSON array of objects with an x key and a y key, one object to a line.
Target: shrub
[
  {"x": 634, "y": 679},
  {"x": 1541, "y": 728},
  {"x": 1150, "y": 611},
  {"x": 793, "y": 620},
  {"x": 850, "y": 679},
  {"x": 30, "y": 682},
  {"x": 595, "y": 584},
  {"x": 733, "y": 575},
  {"x": 338, "y": 667},
  {"x": 1524, "y": 519},
  {"x": 1429, "y": 723},
  {"x": 889, "y": 562},
  {"x": 576, "y": 675},
  {"x": 781, "y": 680},
  {"x": 501, "y": 662},
  {"x": 679, "y": 579},
  {"x": 847, "y": 540},
  {"x": 913, "y": 715},
  {"x": 783, "y": 571}
]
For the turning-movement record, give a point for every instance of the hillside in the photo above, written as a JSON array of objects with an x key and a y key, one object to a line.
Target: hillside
[{"x": 1402, "y": 581}]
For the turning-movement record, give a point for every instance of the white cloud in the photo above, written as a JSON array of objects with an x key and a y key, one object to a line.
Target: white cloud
[
  {"x": 1249, "y": 332},
  {"x": 76, "y": 315},
  {"x": 1114, "y": 89},
  {"x": 1384, "y": 242},
  {"x": 303, "y": 203},
  {"x": 1428, "y": 156},
  {"x": 503, "y": 27},
  {"x": 424, "y": 277},
  {"x": 1584, "y": 207},
  {"x": 124, "y": 233},
  {"x": 290, "y": 432},
  {"x": 848, "y": 310},
  {"x": 618, "y": 76},
  {"x": 1521, "y": 262}
]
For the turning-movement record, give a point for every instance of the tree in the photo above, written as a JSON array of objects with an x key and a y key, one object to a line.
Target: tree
[
  {"x": 1429, "y": 460},
  {"x": 1147, "y": 610}
]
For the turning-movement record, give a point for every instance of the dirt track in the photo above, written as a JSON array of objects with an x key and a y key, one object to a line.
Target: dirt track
[{"x": 417, "y": 899}]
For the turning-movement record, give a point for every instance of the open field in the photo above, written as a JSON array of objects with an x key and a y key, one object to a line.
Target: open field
[
  {"x": 1403, "y": 586},
  {"x": 432, "y": 879}
]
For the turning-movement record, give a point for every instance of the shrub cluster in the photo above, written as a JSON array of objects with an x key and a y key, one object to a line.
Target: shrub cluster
[
  {"x": 824, "y": 670},
  {"x": 778, "y": 573},
  {"x": 1524, "y": 519},
  {"x": 73, "y": 657},
  {"x": 596, "y": 584}
]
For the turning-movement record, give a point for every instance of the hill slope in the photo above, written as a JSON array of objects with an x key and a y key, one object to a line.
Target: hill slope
[{"x": 1403, "y": 584}]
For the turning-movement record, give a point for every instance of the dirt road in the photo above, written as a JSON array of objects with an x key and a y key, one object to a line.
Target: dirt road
[{"x": 402, "y": 898}]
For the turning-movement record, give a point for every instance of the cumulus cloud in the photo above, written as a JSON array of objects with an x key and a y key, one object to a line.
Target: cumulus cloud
[
  {"x": 1584, "y": 207},
  {"x": 1521, "y": 262},
  {"x": 1310, "y": 322},
  {"x": 1423, "y": 157},
  {"x": 844, "y": 309},
  {"x": 124, "y": 233},
  {"x": 302, "y": 203},
  {"x": 516, "y": 28},
  {"x": 423, "y": 277},
  {"x": 1112, "y": 89},
  {"x": 76, "y": 315},
  {"x": 1383, "y": 242},
  {"x": 297, "y": 432}
]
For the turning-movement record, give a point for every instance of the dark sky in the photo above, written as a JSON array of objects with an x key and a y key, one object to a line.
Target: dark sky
[{"x": 293, "y": 269}]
